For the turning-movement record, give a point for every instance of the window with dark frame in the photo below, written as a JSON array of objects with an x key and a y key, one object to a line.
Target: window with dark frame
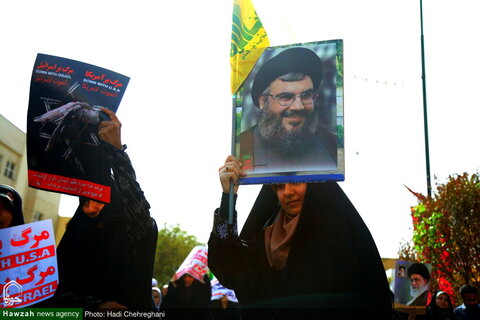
[{"x": 9, "y": 170}]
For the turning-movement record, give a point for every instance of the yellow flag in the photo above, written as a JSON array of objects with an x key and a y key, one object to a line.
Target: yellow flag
[{"x": 249, "y": 40}]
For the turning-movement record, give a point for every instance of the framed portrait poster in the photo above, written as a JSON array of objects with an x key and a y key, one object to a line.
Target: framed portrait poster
[
  {"x": 289, "y": 115},
  {"x": 404, "y": 293}
]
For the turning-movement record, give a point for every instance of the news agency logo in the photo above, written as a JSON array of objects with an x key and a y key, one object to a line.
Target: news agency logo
[{"x": 10, "y": 301}]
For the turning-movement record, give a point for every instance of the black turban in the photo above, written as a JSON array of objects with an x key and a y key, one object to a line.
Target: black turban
[
  {"x": 298, "y": 59},
  {"x": 418, "y": 268}
]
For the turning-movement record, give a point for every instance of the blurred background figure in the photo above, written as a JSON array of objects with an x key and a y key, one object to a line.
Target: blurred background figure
[
  {"x": 154, "y": 282},
  {"x": 224, "y": 302},
  {"x": 188, "y": 298},
  {"x": 470, "y": 309},
  {"x": 440, "y": 307},
  {"x": 157, "y": 298},
  {"x": 164, "y": 290},
  {"x": 224, "y": 309},
  {"x": 11, "y": 213}
]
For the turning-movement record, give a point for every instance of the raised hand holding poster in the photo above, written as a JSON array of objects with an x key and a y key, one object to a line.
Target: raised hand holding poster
[{"x": 63, "y": 147}]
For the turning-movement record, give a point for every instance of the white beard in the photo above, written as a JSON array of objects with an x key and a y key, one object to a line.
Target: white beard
[{"x": 415, "y": 293}]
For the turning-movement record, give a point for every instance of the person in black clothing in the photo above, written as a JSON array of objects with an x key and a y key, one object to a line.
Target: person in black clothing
[
  {"x": 11, "y": 213},
  {"x": 157, "y": 298},
  {"x": 106, "y": 255},
  {"x": 187, "y": 298},
  {"x": 470, "y": 309},
  {"x": 223, "y": 309},
  {"x": 303, "y": 252},
  {"x": 440, "y": 308}
]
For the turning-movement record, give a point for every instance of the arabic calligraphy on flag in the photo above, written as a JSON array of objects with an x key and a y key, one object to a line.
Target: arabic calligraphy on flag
[{"x": 249, "y": 40}]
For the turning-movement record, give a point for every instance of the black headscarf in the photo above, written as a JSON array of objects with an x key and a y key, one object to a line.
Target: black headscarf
[
  {"x": 13, "y": 200},
  {"x": 100, "y": 259},
  {"x": 434, "y": 312},
  {"x": 191, "y": 302},
  {"x": 418, "y": 268},
  {"x": 333, "y": 261}
]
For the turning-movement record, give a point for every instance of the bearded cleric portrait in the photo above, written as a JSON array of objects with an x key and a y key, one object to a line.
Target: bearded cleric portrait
[{"x": 292, "y": 114}]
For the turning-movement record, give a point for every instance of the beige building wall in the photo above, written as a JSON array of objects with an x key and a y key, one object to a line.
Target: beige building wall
[
  {"x": 37, "y": 204},
  {"x": 61, "y": 227}
]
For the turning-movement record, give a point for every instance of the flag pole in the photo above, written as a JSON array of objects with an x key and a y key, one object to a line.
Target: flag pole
[
  {"x": 425, "y": 119},
  {"x": 249, "y": 40},
  {"x": 231, "y": 192}
]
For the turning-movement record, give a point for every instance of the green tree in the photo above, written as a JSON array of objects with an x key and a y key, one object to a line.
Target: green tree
[
  {"x": 173, "y": 246},
  {"x": 446, "y": 233},
  {"x": 339, "y": 63}
]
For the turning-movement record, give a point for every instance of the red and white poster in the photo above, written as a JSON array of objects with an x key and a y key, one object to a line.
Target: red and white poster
[
  {"x": 218, "y": 291},
  {"x": 196, "y": 264},
  {"x": 28, "y": 264},
  {"x": 64, "y": 152}
]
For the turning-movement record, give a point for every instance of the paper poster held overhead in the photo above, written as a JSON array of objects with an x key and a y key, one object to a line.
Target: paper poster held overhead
[{"x": 64, "y": 113}]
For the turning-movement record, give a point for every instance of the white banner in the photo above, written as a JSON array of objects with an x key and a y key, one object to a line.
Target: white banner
[
  {"x": 196, "y": 264},
  {"x": 218, "y": 291},
  {"x": 28, "y": 264}
]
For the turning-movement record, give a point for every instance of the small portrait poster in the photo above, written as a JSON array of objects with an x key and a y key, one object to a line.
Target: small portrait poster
[
  {"x": 289, "y": 115},
  {"x": 28, "y": 264},
  {"x": 63, "y": 147},
  {"x": 404, "y": 292}
]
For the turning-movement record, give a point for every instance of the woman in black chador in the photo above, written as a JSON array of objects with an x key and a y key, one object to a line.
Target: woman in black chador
[
  {"x": 303, "y": 252},
  {"x": 106, "y": 255},
  {"x": 440, "y": 308},
  {"x": 188, "y": 298}
]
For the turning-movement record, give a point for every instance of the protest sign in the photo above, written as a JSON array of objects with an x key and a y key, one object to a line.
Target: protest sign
[
  {"x": 289, "y": 115},
  {"x": 28, "y": 264},
  {"x": 403, "y": 292},
  {"x": 63, "y": 147},
  {"x": 196, "y": 264},
  {"x": 218, "y": 291}
]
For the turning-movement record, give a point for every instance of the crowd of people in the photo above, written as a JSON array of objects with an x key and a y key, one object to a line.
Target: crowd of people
[
  {"x": 304, "y": 251},
  {"x": 273, "y": 264},
  {"x": 441, "y": 308},
  {"x": 253, "y": 264},
  {"x": 184, "y": 296},
  {"x": 188, "y": 297},
  {"x": 438, "y": 303}
]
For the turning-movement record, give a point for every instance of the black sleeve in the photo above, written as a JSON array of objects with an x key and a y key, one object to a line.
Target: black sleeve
[
  {"x": 141, "y": 228},
  {"x": 227, "y": 254},
  {"x": 170, "y": 298},
  {"x": 206, "y": 292},
  {"x": 73, "y": 300},
  {"x": 135, "y": 205}
]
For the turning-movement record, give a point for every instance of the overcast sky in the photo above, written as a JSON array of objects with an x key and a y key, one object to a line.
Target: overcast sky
[{"x": 176, "y": 112}]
